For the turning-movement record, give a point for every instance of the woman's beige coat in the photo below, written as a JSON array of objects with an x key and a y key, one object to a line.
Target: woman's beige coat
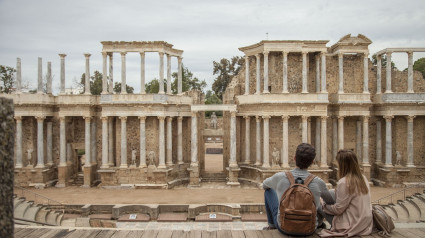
[{"x": 352, "y": 213}]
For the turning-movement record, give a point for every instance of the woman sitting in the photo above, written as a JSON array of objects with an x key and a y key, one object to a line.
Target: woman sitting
[{"x": 352, "y": 210}]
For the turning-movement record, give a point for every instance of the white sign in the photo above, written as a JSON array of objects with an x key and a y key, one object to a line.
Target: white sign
[
  {"x": 133, "y": 216},
  {"x": 213, "y": 216}
]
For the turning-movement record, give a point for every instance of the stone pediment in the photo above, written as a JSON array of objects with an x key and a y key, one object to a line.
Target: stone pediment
[{"x": 351, "y": 44}]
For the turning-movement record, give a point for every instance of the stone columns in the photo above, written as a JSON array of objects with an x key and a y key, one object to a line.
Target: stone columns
[
  {"x": 19, "y": 163},
  {"x": 104, "y": 73},
  {"x": 179, "y": 140},
  {"x": 194, "y": 141},
  {"x": 317, "y": 139},
  {"x": 378, "y": 142},
  {"x": 334, "y": 137},
  {"x": 87, "y": 74},
  {"x": 246, "y": 75},
  {"x": 142, "y": 120},
  {"x": 304, "y": 129},
  {"x": 62, "y": 84},
  {"x": 258, "y": 141},
  {"x": 388, "y": 77},
  {"x": 317, "y": 58},
  {"x": 309, "y": 131},
  {"x": 49, "y": 78},
  {"x": 365, "y": 73},
  {"x": 257, "y": 78},
  {"x": 323, "y": 143},
  {"x": 161, "y": 72},
  {"x": 285, "y": 138},
  {"x": 410, "y": 72},
  {"x": 388, "y": 141},
  {"x": 266, "y": 141},
  {"x": 340, "y": 132},
  {"x": 18, "y": 76},
  {"x": 365, "y": 155},
  {"x": 93, "y": 138},
  {"x": 62, "y": 143},
  {"x": 341, "y": 72},
  {"x": 142, "y": 73},
  {"x": 123, "y": 74},
  {"x": 247, "y": 140},
  {"x": 169, "y": 161},
  {"x": 285, "y": 73},
  {"x": 40, "y": 76},
  {"x": 410, "y": 162},
  {"x": 304, "y": 73},
  {"x": 87, "y": 148},
  {"x": 123, "y": 142},
  {"x": 169, "y": 74},
  {"x": 323, "y": 79},
  {"x": 266, "y": 72},
  {"x": 378, "y": 74},
  {"x": 359, "y": 139},
  {"x": 104, "y": 143},
  {"x": 161, "y": 144},
  {"x": 111, "y": 72},
  {"x": 179, "y": 75},
  {"x": 40, "y": 142},
  {"x": 49, "y": 142},
  {"x": 232, "y": 162},
  {"x": 111, "y": 136}
]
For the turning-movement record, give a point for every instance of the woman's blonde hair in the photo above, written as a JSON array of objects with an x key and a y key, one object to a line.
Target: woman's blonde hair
[{"x": 350, "y": 169}]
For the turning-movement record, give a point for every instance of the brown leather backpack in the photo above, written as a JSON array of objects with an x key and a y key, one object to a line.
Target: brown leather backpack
[{"x": 297, "y": 208}]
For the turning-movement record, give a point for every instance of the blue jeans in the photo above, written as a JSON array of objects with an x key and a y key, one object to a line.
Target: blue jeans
[{"x": 272, "y": 207}]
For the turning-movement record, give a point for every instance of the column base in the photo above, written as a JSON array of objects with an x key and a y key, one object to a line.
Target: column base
[
  {"x": 123, "y": 166},
  {"x": 19, "y": 166},
  {"x": 40, "y": 166},
  {"x": 62, "y": 176},
  {"x": 265, "y": 166},
  {"x": 257, "y": 164},
  {"x": 410, "y": 166},
  {"x": 104, "y": 166},
  {"x": 88, "y": 176},
  {"x": 266, "y": 92},
  {"x": 388, "y": 166},
  {"x": 180, "y": 162},
  {"x": 162, "y": 166},
  {"x": 142, "y": 166}
]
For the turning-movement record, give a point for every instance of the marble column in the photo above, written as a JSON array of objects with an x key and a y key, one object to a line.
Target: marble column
[
  {"x": 266, "y": 72},
  {"x": 40, "y": 142},
  {"x": 365, "y": 73},
  {"x": 246, "y": 75},
  {"x": 285, "y": 142},
  {"x": 169, "y": 74},
  {"x": 104, "y": 73},
  {"x": 388, "y": 76},
  {"x": 161, "y": 72},
  {"x": 304, "y": 73},
  {"x": 258, "y": 141},
  {"x": 93, "y": 138},
  {"x": 123, "y": 74},
  {"x": 19, "y": 163},
  {"x": 378, "y": 74},
  {"x": 410, "y": 72},
  {"x": 323, "y": 143},
  {"x": 18, "y": 76},
  {"x": 257, "y": 78},
  {"x": 334, "y": 137},
  {"x": 142, "y": 120},
  {"x": 169, "y": 161},
  {"x": 341, "y": 72},
  {"x": 317, "y": 139},
  {"x": 365, "y": 155},
  {"x": 323, "y": 71},
  {"x": 123, "y": 142},
  {"x": 309, "y": 130},
  {"x": 111, "y": 72},
  {"x": 388, "y": 142},
  {"x": 40, "y": 76},
  {"x": 359, "y": 140},
  {"x": 285, "y": 73},
  {"x": 232, "y": 162},
  {"x": 340, "y": 132},
  {"x": 62, "y": 143},
  {"x": 194, "y": 141},
  {"x": 410, "y": 151},
  {"x": 87, "y": 79},
  {"x": 180, "y": 140},
  {"x": 266, "y": 142},
  {"x": 142, "y": 73},
  {"x": 87, "y": 148},
  {"x": 62, "y": 84},
  {"x": 179, "y": 75},
  {"x": 247, "y": 140},
  {"x": 104, "y": 143},
  {"x": 317, "y": 58},
  {"x": 111, "y": 136},
  {"x": 304, "y": 129},
  {"x": 161, "y": 144},
  {"x": 49, "y": 78},
  {"x": 378, "y": 142},
  {"x": 49, "y": 146}
]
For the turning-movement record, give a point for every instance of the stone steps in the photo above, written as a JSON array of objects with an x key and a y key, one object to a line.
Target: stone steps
[
  {"x": 411, "y": 210},
  {"x": 35, "y": 212}
]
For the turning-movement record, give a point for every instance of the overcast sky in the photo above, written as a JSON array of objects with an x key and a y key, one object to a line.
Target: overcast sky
[{"x": 206, "y": 30}]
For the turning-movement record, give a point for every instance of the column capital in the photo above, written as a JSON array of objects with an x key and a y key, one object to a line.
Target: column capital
[
  {"x": 378, "y": 57},
  {"x": 304, "y": 117},
  {"x": 168, "y": 56},
  {"x": 266, "y": 52},
  {"x": 123, "y": 53},
  {"x": 105, "y": 54},
  {"x": 62, "y": 56},
  {"x": 304, "y": 52},
  {"x": 142, "y": 118},
  {"x": 365, "y": 54},
  {"x": 233, "y": 114},
  {"x": 247, "y": 117},
  {"x": 62, "y": 118},
  {"x": 161, "y": 118},
  {"x": 324, "y": 117},
  {"x": 389, "y": 53},
  {"x": 317, "y": 56},
  {"x": 180, "y": 118},
  {"x": 323, "y": 53},
  {"x": 258, "y": 56},
  {"x": 194, "y": 114},
  {"x": 104, "y": 118},
  {"x": 161, "y": 54},
  {"x": 388, "y": 118},
  {"x": 340, "y": 55},
  {"x": 142, "y": 53},
  {"x": 410, "y": 118},
  {"x": 123, "y": 118},
  {"x": 266, "y": 117},
  {"x": 40, "y": 118},
  {"x": 179, "y": 59},
  {"x": 18, "y": 118},
  {"x": 340, "y": 117},
  {"x": 87, "y": 118},
  {"x": 246, "y": 57},
  {"x": 111, "y": 54},
  {"x": 87, "y": 55},
  {"x": 366, "y": 119},
  {"x": 409, "y": 53},
  {"x": 285, "y": 117},
  {"x": 257, "y": 118},
  {"x": 285, "y": 53},
  {"x": 170, "y": 119}
]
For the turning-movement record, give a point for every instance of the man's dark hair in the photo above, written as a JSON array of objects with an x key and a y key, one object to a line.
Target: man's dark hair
[{"x": 304, "y": 155}]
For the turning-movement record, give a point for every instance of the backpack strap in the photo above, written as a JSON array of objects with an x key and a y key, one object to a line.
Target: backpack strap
[
  {"x": 290, "y": 177},
  {"x": 308, "y": 180}
]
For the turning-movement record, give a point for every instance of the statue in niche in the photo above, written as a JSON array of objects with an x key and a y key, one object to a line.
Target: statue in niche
[
  {"x": 29, "y": 157},
  {"x": 398, "y": 159},
  {"x": 133, "y": 158},
  {"x": 276, "y": 158},
  {"x": 213, "y": 121},
  {"x": 151, "y": 160}
]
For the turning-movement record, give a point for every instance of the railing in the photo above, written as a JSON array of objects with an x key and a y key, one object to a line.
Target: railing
[
  {"x": 400, "y": 195},
  {"x": 35, "y": 197}
]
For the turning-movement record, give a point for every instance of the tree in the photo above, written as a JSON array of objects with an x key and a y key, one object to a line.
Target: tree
[
  {"x": 153, "y": 86},
  {"x": 117, "y": 88},
  {"x": 212, "y": 98},
  {"x": 419, "y": 65},
  {"x": 226, "y": 70},
  {"x": 383, "y": 61},
  {"x": 95, "y": 83},
  {"x": 6, "y": 77}
]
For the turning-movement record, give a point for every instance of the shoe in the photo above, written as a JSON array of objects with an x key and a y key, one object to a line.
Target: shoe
[{"x": 269, "y": 228}]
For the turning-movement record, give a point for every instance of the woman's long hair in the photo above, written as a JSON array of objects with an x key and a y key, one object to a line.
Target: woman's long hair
[{"x": 350, "y": 169}]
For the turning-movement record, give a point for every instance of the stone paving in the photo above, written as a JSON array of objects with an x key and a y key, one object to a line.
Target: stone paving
[{"x": 188, "y": 226}]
